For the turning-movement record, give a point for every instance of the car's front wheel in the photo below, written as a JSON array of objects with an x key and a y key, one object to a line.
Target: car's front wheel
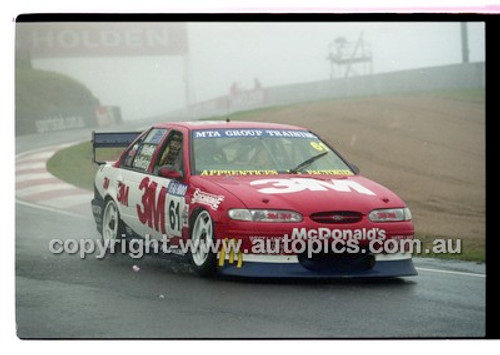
[{"x": 202, "y": 235}]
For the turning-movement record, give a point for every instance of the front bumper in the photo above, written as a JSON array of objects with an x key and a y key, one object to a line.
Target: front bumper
[{"x": 290, "y": 267}]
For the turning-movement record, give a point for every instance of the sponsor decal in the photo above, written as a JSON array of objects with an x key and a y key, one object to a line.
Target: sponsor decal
[
  {"x": 344, "y": 234},
  {"x": 151, "y": 210},
  {"x": 157, "y": 136},
  {"x": 206, "y": 198},
  {"x": 59, "y": 123},
  {"x": 319, "y": 146},
  {"x": 105, "y": 39},
  {"x": 143, "y": 157},
  {"x": 177, "y": 188},
  {"x": 285, "y": 186},
  {"x": 148, "y": 149},
  {"x": 238, "y": 172},
  {"x": 122, "y": 195},
  {"x": 343, "y": 172},
  {"x": 141, "y": 162},
  {"x": 249, "y": 133},
  {"x": 228, "y": 247}
]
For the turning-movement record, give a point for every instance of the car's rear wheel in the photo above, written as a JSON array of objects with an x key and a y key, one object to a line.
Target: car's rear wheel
[
  {"x": 112, "y": 226},
  {"x": 202, "y": 233}
]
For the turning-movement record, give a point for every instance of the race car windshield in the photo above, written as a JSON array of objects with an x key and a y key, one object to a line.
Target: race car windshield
[{"x": 263, "y": 152}]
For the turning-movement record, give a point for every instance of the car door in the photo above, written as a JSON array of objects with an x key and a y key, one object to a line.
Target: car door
[
  {"x": 134, "y": 184},
  {"x": 170, "y": 208},
  {"x": 151, "y": 210}
]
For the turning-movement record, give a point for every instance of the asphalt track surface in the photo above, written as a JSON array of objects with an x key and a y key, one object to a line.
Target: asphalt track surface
[{"x": 63, "y": 296}]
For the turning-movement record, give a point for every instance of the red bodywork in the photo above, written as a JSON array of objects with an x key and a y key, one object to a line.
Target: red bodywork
[{"x": 327, "y": 203}]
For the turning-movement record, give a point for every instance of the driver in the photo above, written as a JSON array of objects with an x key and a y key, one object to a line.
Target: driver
[{"x": 172, "y": 155}]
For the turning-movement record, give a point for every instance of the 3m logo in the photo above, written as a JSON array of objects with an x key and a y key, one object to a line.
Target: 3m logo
[
  {"x": 152, "y": 209},
  {"x": 122, "y": 195},
  {"x": 286, "y": 186}
]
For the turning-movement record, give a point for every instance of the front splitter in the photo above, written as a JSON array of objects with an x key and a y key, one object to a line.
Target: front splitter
[{"x": 389, "y": 268}]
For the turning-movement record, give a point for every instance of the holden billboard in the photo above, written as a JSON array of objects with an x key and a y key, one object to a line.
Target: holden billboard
[{"x": 100, "y": 39}]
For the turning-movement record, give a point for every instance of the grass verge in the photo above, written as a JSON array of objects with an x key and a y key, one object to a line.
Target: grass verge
[{"x": 74, "y": 164}]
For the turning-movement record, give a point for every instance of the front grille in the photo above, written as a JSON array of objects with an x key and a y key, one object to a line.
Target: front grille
[
  {"x": 341, "y": 217},
  {"x": 329, "y": 262}
]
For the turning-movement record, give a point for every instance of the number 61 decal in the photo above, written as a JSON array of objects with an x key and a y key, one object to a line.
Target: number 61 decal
[
  {"x": 176, "y": 205},
  {"x": 174, "y": 217}
]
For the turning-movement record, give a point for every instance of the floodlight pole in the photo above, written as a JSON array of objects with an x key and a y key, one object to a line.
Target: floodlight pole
[{"x": 465, "y": 42}]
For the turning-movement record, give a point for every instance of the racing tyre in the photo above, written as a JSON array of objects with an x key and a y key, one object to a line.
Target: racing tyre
[
  {"x": 112, "y": 226},
  {"x": 202, "y": 231}
]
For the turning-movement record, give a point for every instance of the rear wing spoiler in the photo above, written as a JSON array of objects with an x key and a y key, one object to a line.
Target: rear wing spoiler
[{"x": 111, "y": 140}]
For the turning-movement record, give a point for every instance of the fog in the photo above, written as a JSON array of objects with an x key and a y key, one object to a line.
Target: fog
[{"x": 221, "y": 54}]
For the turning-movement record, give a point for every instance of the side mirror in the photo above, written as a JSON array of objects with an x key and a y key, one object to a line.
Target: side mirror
[
  {"x": 169, "y": 174},
  {"x": 354, "y": 168}
]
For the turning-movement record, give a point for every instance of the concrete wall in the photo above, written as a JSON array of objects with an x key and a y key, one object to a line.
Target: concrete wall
[{"x": 450, "y": 77}]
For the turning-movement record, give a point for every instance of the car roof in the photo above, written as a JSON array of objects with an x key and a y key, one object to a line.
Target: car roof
[{"x": 193, "y": 125}]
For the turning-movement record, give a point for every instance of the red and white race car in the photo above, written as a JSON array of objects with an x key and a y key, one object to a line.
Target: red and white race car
[{"x": 269, "y": 200}]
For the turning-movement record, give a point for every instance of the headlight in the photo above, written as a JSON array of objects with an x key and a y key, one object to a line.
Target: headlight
[
  {"x": 264, "y": 215},
  {"x": 390, "y": 215}
]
